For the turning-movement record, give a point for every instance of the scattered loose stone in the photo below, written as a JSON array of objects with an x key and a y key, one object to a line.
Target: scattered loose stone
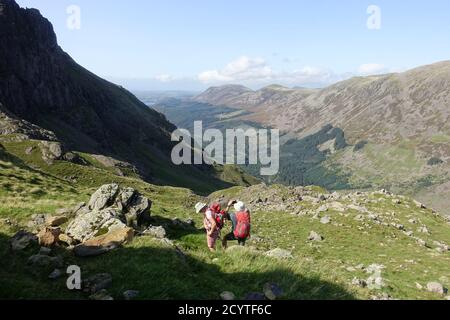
[
  {"x": 325, "y": 220},
  {"x": 97, "y": 283},
  {"x": 57, "y": 273},
  {"x": 49, "y": 237},
  {"x": 383, "y": 296},
  {"x": 272, "y": 291},
  {"x": 279, "y": 254},
  {"x": 398, "y": 226},
  {"x": 29, "y": 150},
  {"x": 375, "y": 282},
  {"x": 314, "y": 236},
  {"x": 37, "y": 221},
  {"x": 21, "y": 240},
  {"x": 421, "y": 242},
  {"x": 156, "y": 232},
  {"x": 409, "y": 233},
  {"x": 101, "y": 295},
  {"x": 424, "y": 230},
  {"x": 227, "y": 296},
  {"x": 420, "y": 205},
  {"x": 436, "y": 287},
  {"x": 359, "y": 282},
  {"x": 130, "y": 294},
  {"x": 39, "y": 262}
]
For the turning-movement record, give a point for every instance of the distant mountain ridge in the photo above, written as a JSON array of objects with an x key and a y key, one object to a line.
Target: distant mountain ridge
[
  {"x": 395, "y": 103},
  {"x": 396, "y": 125}
]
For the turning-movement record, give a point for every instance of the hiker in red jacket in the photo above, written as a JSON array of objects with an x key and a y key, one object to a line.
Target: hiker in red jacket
[
  {"x": 213, "y": 221},
  {"x": 241, "y": 225}
]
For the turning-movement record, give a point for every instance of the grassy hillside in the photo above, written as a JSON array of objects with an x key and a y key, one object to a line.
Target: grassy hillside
[{"x": 317, "y": 270}]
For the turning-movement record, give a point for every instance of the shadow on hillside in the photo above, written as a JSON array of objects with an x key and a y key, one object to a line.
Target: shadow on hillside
[
  {"x": 158, "y": 274},
  {"x": 18, "y": 162},
  {"x": 175, "y": 229}
]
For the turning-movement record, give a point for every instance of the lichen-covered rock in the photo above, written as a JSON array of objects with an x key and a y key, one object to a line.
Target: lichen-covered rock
[
  {"x": 137, "y": 212},
  {"x": 93, "y": 223},
  {"x": 51, "y": 151},
  {"x": 103, "y": 197},
  {"x": 110, "y": 208}
]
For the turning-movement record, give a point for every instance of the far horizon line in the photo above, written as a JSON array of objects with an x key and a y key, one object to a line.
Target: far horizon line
[{"x": 259, "y": 88}]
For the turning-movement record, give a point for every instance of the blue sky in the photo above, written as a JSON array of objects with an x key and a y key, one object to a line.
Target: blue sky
[{"x": 190, "y": 45}]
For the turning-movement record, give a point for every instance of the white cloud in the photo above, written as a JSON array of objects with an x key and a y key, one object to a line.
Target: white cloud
[
  {"x": 372, "y": 68},
  {"x": 164, "y": 78},
  {"x": 307, "y": 75},
  {"x": 256, "y": 71},
  {"x": 241, "y": 69}
]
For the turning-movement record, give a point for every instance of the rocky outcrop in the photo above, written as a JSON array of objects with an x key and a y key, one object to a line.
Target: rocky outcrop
[
  {"x": 110, "y": 208},
  {"x": 51, "y": 151},
  {"x": 103, "y": 197}
]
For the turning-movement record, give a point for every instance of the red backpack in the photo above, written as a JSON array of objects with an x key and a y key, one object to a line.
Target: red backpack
[
  {"x": 219, "y": 215},
  {"x": 242, "y": 230}
]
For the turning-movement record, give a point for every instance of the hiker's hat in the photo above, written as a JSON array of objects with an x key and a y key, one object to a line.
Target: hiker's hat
[
  {"x": 200, "y": 206},
  {"x": 239, "y": 206}
]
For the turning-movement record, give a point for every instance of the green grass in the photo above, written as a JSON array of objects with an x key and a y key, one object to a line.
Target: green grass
[
  {"x": 441, "y": 138},
  {"x": 317, "y": 271}
]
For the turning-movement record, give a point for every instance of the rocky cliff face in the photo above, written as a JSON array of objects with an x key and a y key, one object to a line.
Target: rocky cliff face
[{"x": 42, "y": 84}]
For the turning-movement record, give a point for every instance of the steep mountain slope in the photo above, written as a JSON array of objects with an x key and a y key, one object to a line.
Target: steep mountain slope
[
  {"x": 396, "y": 126},
  {"x": 46, "y": 95},
  {"x": 261, "y": 103},
  {"x": 382, "y": 108}
]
